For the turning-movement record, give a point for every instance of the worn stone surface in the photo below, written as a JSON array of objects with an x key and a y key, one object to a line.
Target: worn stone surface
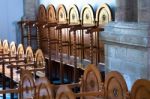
[
  {"x": 127, "y": 50},
  {"x": 144, "y": 11},
  {"x": 130, "y": 62},
  {"x": 126, "y": 10},
  {"x": 127, "y": 33}
]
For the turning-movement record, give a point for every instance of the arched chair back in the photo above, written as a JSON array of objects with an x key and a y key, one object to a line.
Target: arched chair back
[
  {"x": 61, "y": 14},
  {"x": 42, "y": 13},
  {"x": 103, "y": 15},
  {"x": 44, "y": 90},
  {"x": 13, "y": 50},
  {"x": 87, "y": 15},
  {"x": 74, "y": 15},
  {"x": 20, "y": 52},
  {"x": 40, "y": 62},
  {"x": 27, "y": 85},
  {"x": 92, "y": 80},
  {"x": 51, "y": 13},
  {"x": 39, "y": 58},
  {"x": 29, "y": 55},
  {"x": 42, "y": 18},
  {"x": 5, "y": 47},
  {"x": 115, "y": 86},
  {"x": 64, "y": 92},
  {"x": 141, "y": 89}
]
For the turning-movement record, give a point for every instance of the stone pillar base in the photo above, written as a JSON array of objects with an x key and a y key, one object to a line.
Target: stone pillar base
[{"x": 127, "y": 50}]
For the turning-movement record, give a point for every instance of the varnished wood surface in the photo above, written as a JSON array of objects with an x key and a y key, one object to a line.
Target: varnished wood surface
[
  {"x": 44, "y": 90},
  {"x": 115, "y": 86},
  {"x": 141, "y": 89},
  {"x": 27, "y": 85},
  {"x": 64, "y": 48},
  {"x": 65, "y": 92}
]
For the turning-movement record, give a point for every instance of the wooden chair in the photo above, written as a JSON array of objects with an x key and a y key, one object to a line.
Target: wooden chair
[
  {"x": 5, "y": 47},
  {"x": 42, "y": 17},
  {"x": 4, "y": 56},
  {"x": 91, "y": 81},
  {"x": 63, "y": 43},
  {"x": 13, "y": 50},
  {"x": 140, "y": 89},
  {"x": 103, "y": 17},
  {"x": 44, "y": 90},
  {"x": 81, "y": 40},
  {"x": 64, "y": 92},
  {"x": 26, "y": 88},
  {"x": 91, "y": 86},
  {"x": 11, "y": 72},
  {"x": 20, "y": 52},
  {"x": 27, "y": 85},
  {"x": 5, "y": 50},
  {"x": 40, "y": 63},
  {"x": 115, "y": 86},
  {"x": 29, "y": 56},
  {"x": 75, "y": 49},
  {"x": 52, "y": 39}
]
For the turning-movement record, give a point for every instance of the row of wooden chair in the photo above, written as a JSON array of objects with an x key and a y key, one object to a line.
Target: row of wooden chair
[
  {"x": 140, "y": 90},
  {"x": 13, "y": 59},
  {"x": 50, "y": 18},
  {"x": 13, "y": 55},
  {"x": 53, "y": 28},
  {"x": 69, "y": 41},
  {"x": 91, "y": 87},
  {"x": 69, "y": 37}
]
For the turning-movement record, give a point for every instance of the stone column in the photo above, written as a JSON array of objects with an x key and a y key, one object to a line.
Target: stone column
[
  {"x": 144, "y": 17},
  {"x": 127, "y": 43},
  {"x": 144, "y": 11},
  {"x": 127, "y": 50},
  {"x": 126, "y": 10},
  {"x": 30, "y": 9}
]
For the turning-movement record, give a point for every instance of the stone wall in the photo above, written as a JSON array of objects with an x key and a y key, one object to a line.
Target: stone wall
[
  {"x": 144, "y": 11},
  {"x": 129, "y": 61},
  {"x": 127, "y": 50},
  {"x": 126, "y": 10}
]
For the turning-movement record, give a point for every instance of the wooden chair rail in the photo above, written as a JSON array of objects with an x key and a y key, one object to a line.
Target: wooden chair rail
[
  {"x": 9, "y": 91},
  {"x": 99, "y": 94}
]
